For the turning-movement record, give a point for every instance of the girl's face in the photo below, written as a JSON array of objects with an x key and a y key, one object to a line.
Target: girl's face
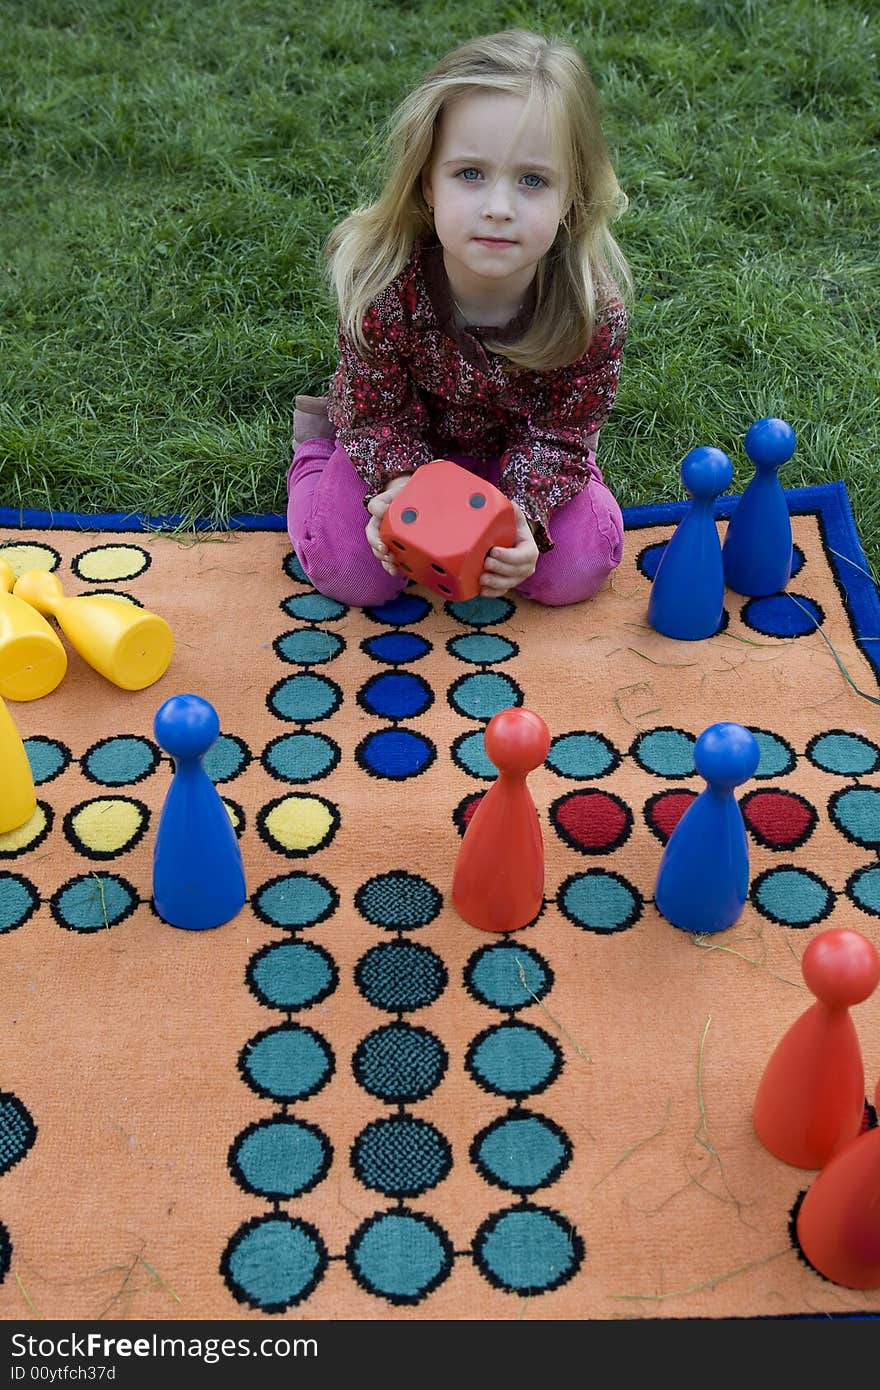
[{"x": 497, "y": 190}]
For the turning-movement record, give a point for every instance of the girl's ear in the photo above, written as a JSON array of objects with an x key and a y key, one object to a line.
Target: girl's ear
[{"x": 427, "y": 192}]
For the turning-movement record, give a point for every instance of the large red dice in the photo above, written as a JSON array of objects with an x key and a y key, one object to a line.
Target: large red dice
[{"x": 441, "y": 525}]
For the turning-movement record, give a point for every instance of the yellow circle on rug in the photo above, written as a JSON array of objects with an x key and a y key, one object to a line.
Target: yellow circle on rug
[
  {"x": 30, "y": 557},
  {"x": 233, "y": 813},
  {"x": 108, "y": 562},
  {"x": 113, "y": 593},
  {"x": 109, "y": 825},
  {"x": 24, "y": 836},
  {"x": 299, "y": 823}
]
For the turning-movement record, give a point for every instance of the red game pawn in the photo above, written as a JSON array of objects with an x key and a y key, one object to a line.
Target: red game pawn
[
  {"x": 838, "y": 1225},
  {"x": 498, "y": 883},
  {"x": 811, "y": 1097}
]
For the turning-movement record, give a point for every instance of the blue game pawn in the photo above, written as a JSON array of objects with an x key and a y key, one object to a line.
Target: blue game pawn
[
  {"x": 703, "y": 879},
  {"x": 198, "y": 876},
  {"x": 757, "y": 550},
  {"x": 687, "y": 595}
]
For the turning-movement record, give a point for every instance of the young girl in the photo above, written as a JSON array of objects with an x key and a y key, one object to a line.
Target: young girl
[{"x": 480, "y": 320}]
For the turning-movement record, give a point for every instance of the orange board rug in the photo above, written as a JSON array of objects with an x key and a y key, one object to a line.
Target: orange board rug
[{"x": 346, "y": 1103}]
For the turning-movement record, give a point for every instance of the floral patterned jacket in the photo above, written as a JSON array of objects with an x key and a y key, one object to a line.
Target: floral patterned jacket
[{"x": 432, "y": 389}]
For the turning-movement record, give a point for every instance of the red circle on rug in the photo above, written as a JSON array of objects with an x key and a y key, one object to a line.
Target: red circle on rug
[
  {"x": 664, "y": 812},
  {"x": 779, "y": 820},
  {"x": 594, "y": 822},
  {"x": 464, "y": 811}
]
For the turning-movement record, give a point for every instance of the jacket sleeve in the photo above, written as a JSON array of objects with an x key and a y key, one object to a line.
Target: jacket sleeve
[
  {"x": 548, "y": 459},
  {"x": 377, "y": 413}
]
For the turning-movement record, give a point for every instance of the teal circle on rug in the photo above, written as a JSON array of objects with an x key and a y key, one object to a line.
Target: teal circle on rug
[
  {"x": 856, "y": 812},
  {"x": 17, "y": 1130},
  {"x": 47, "y": 757},
  {"x": 400, "y": 976},
  {"x": 521, "y": 1152},
  {"x": 305, "y": 697},
  {"x": 481, "y": 648},
  {"x": 582, "y": 756},
  {"x": 281, "y": 1157},
  {"x": 665, "y": 752},
  {"x": 481, "y": 612},
  {"x": 514, "y": 1059},
  {"x": 292, "y": 975},
  {"x": 313, "y": 608},
  {"x": 225, "y": 759},
  {"x": 293, "y": 569},
  {"x": 287, "y": 1063},
  {"x": 792, "y": 896},
  {"x": 527, "y": 1250},
  {"x": 302, "y": 757},
  {"x": 398, "y": 901},
  {"x": 469, "y": 752},
  {"x": 849, "y": 754},
  {"x": 295, "y": 900},
  {"x": 400, "y": 1255},
  {"x": 863, "y": 888},
  {"x": 273, "y": 1262},
  {"x": 116, "y": 761},
  {"x": 400, "y": 1063},
  {"x": 18, "y": 900},
  {"x": 600, "y": 901},
  {"x": 507, "y": 976},
  {"x": 484, "y": 694},
  {"x": 308, "y": 646},
  {"x": 93, "y": 902},
  {"x": 401, "y": 1157},
  {"x": 776, "y": 756}
]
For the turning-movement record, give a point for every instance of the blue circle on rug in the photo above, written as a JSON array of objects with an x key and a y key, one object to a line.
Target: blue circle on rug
[
  {"x": 18, "y": 900},
  {"x": 481, "y": 648},
  {"x": 783, "y": 615},
  {"x": 17, "y": 1131},
  {"x": 292, "y": 975},
  {"x": 665, "y": 752},
  {"x": 395, "y": 753},
  {"x": 295, "y": 900},
  {"x": 293, "y": 569},
  {"x": 469, "y": 753},
  {"x": 273, "y": 1262},
  {"x": 287, "y": 1063},
  {"x": 521, "y": 1152},
  {"x": 313, "y": 608},
  {"x": 527, "y": 1250},
  {"x": 93, "y": 902},
  {"x": 848, "y": 754},
  {"x": 398, "y": 901},
  {"x": 281, "y": 1157},
  {"x": 400, "y": 1063},
  {"x": 226, "y": 758},
  {"x": 856, "y": 813},
  {"x": 401, "y": 1157},
  {"x": 776, "y": 756},
  {"x": 302, "y": 757},
  {"x": 600, "y": 901},
  {"x": 400, "y": 611},
  {"x": 514, "y": 1059},
  {"x": 396, "y": 648},
  {"x": 304, "y": 698},
  {"x": 399, "y": 976},
  {"x": 308, "y": 646},
  {"x": 791, "y": 896},
  {"x": 582, "y": 756},
  {"x": 507, "y": 976},
  {"x": 648, "y": 560},
  {"x": 47, "y": 758},
  {"x": 400, "y": 1255},
  {"x": 481, "y": 612},
  {"x": 864, "y": 888},
  {"x": 124, "y": 758},
  {"x": 484, "y": 694},
  {"x": 395, "y": 695}
]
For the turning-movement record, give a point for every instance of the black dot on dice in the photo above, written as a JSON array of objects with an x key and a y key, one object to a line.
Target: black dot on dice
[
  {"x": 478, "y": 499},
  {"x": 408, "y": 514}
]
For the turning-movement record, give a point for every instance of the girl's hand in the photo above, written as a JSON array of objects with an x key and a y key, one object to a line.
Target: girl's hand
[
  {"x": 377, "y": 507},
  {"x": 504, "y": 568}
]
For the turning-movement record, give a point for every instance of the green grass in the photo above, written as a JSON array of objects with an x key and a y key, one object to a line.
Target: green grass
[{"x": 169, "y": 172}]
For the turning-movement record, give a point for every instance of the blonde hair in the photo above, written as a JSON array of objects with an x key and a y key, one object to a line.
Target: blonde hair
[{"x": 371, "y": 246}]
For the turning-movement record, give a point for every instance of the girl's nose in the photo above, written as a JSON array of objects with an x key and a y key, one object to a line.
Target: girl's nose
[{"x": 499, "y": 203}]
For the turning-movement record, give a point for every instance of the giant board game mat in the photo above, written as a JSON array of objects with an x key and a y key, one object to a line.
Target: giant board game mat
[{"x": 347, "y": 1103}]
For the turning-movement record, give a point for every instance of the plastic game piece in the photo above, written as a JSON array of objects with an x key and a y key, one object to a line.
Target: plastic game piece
[
  {"x": 498, "y": 883},
  {"x": 703, "y": 878},
  {"x": 198, "y": 876},
  {"x": 442, "y": 524},
  {"x": 757, "y": 550},
  {"x": 838, "y": 1223},
  {"x": 687, "y": 594},
  {"x": 32, "y": 656},
  {"x": 17, "y": 797},
  {"x": 811, "y": 1097},
  {"x": 127, "y": 645}
]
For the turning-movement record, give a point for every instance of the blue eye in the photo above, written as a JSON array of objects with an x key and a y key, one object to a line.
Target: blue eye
[
  {"x": 466, "y": 174},
  {"x": 538, "y": 180}
]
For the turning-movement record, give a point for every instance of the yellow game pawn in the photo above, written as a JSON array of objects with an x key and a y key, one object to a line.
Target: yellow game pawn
[
  {"x": 32, "y": 657},
  {"x": 129, "y": 646},
  {"x": 18, "y": 800}
]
